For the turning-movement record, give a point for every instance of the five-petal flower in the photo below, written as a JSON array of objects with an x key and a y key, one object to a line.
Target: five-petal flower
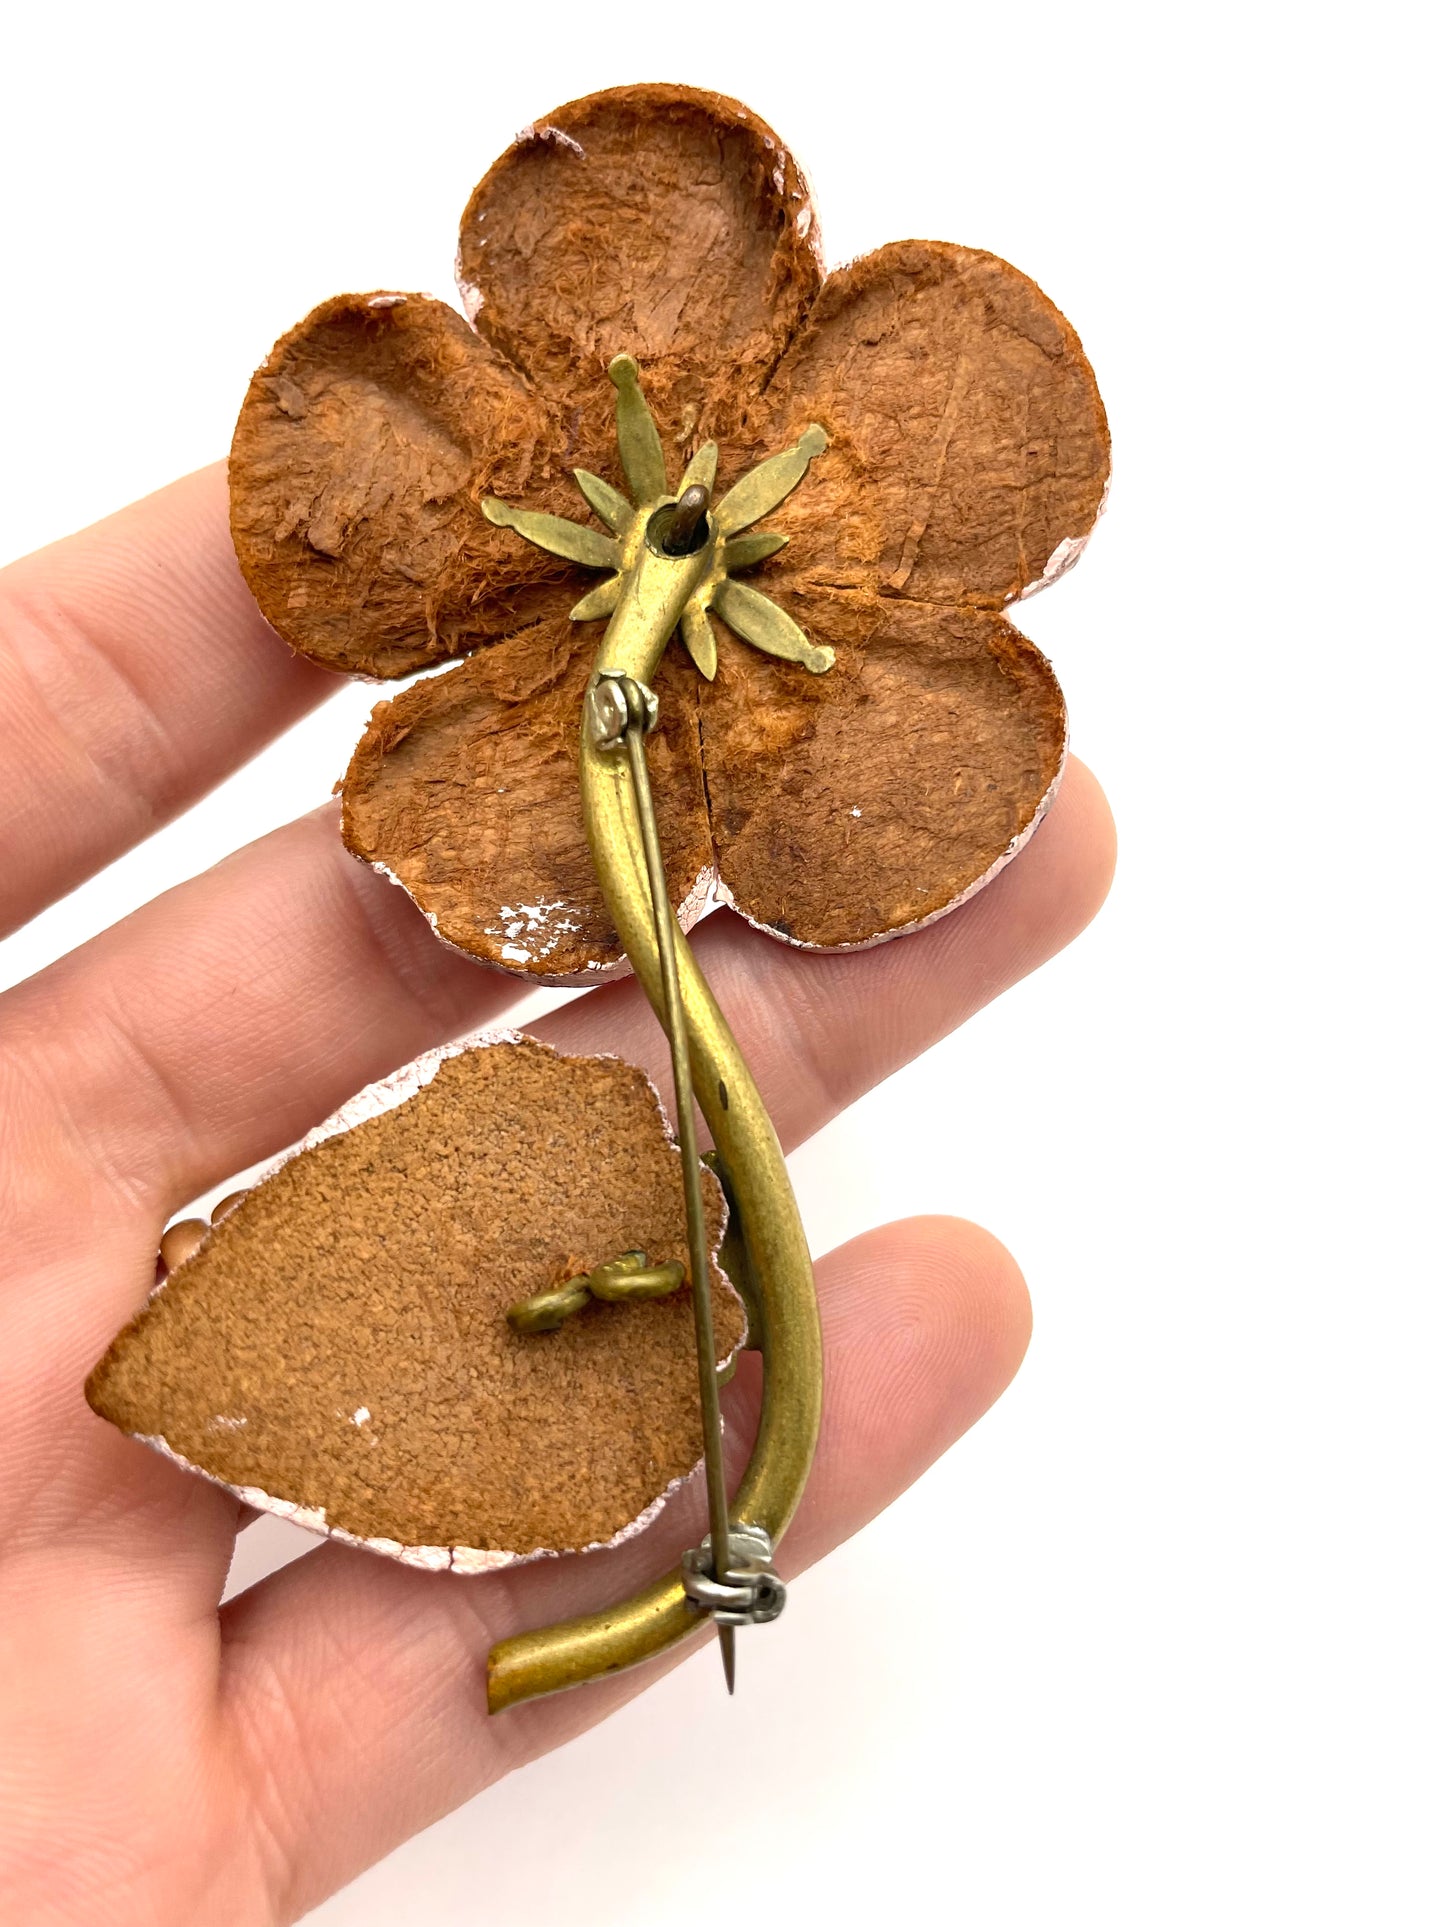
[{"x": 966, "y": 461}]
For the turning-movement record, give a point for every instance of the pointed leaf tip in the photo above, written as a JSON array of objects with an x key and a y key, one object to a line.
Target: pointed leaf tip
[
  {"x": 600, "y": 601},
  {"x": 557, "y": 536},
  {"x": 698, "y": 639},
  {"x": 638, "y": 442},
  {"x": 608, "y": 503},
  {"x": 701, "y": 470},
  {"x": 761, "y": 622},
  {"x": 771, "y": 482},
  {"x": 744, "y": 550}
]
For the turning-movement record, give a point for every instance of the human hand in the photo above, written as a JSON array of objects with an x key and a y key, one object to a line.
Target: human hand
[{"x": 167, "y": 1760}]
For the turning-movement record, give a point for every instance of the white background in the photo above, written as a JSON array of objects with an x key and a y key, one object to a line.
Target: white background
[{"x": 1160, "y": 1641}]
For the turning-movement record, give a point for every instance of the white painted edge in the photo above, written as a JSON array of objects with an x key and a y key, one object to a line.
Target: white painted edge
[
  {"x": 689, "y": 910},
  {"x": 1059, "y": 563},
  {"x": 710, "y": 889},
  {"x": 388, "y": 1094},
  {"x": 1066, "y": 555},
  {"x": 464, "y": 1560},
  {"x": 542, "y": 131},
  {"x": 473, "y": 300}
]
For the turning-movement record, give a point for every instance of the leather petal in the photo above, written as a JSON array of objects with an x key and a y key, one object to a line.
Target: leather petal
[
  {"x": 656, "y": 221},
  {"x": 363, "y": 452},
  {"x": 968, "y": 451},
  {"x": 851, "y": 806},
  {"x": 464, "y": 788}
]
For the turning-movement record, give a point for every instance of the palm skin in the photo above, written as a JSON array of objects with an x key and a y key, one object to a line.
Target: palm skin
[{"x": 164, "y": 1759}]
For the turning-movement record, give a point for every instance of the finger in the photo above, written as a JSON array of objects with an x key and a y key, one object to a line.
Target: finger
[
  {"x": 137, "y": 673},
  {"x": 820, "y": 1028},
  {"x": 338, "y": 1778},
  {"x": 222, "y": 1021},
  {"x": 213, "y": 1027}
]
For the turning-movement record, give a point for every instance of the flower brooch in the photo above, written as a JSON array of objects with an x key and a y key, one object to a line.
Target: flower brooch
[{"x": 482, "y": 1313}]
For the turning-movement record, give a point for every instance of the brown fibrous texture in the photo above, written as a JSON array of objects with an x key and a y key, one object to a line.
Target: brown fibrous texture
[
  {"x": 654, "y": 221},
  {"x": 966, "y": 435},
  {"x": 875, "y": 797},
  {"x": 340, "y": 1340},
  {"x": 360, "y": 458}
]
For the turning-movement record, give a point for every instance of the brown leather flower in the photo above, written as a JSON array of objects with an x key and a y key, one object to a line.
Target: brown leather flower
[{"x": 966, "y": 462}]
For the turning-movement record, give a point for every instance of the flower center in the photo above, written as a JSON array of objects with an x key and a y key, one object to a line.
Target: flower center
[{"x": 652, "y": 522}]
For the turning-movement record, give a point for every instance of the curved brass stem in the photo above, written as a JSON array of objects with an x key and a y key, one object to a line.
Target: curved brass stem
[{"x": 522, "y": 1668}]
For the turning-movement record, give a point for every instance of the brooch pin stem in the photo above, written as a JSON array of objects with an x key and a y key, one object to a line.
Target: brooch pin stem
[
  {"x": 641, "y": 708},
  {"x": 674, "y": 556},
  {"x": 684, "y": 531}
]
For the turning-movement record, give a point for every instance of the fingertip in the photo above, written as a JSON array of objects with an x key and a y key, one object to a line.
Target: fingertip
[
  {"x": 925, "y": 1323},
  {"x": 1048, "y": 895},
  {"x": 1082, "y": 817},
  {"x": 940, "y": 1296}
]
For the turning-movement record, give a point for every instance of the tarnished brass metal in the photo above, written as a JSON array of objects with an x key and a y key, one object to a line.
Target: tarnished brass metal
[
  {"x": 743, "y": 551},
  {"x": 656, "y": 589},
  {"x": 623, "y": 1635},
  {"x": 699, "y": 639},
  {"x": 735, "y": 1259},
  {"x": 617, "y": 1287},
  {"x": 573, "y": 541},
  {"x": 598, "y": 602},
  {"x": 610, "y": 504},
  {"x": 638, "y": 442},
  {"x": 621, "y": 1280},
  {"x": 548, "y": 1311},
  {"x": 641, "y": 711},
  {"x": 762, "y": 488},
  {"x": 679, "y": 526},
  {"x": 701, "y": 471},
  {"x": 761, "y": 622}
]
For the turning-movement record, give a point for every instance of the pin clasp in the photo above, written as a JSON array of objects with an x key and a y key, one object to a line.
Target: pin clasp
[{"x": 749, "y": 1593}]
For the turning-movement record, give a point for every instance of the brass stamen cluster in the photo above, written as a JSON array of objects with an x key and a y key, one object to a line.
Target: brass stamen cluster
[
  {"x": 670, "y": 523},
  {"x": 621, "y": 1281}
]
